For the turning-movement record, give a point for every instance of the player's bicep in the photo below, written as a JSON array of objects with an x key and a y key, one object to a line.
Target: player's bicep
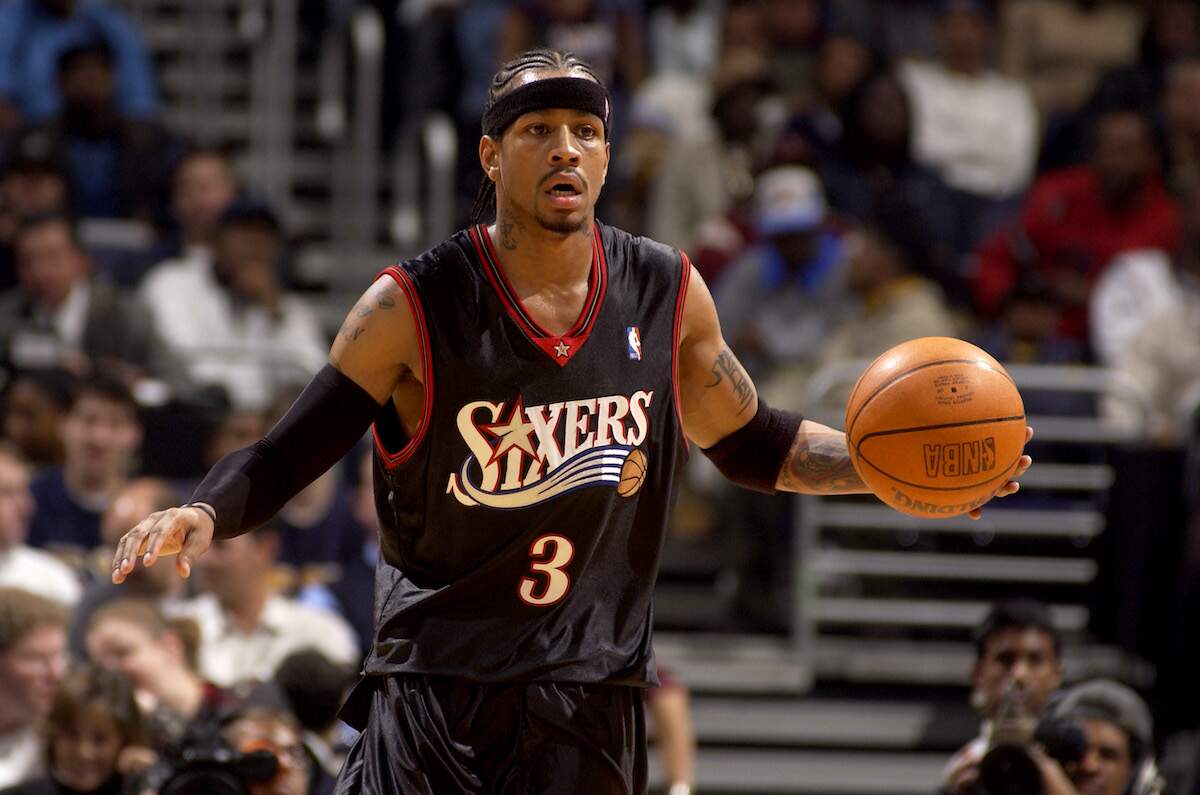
[
  {"x": 716, "y": 394},
  {"x": 378, "y": 345}
]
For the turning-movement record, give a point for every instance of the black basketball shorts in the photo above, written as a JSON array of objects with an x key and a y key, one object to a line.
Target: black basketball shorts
[{"x": 426, "y": 735}]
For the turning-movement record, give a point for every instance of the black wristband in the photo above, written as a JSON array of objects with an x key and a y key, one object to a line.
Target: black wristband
[{"x": 753, "y": 455}]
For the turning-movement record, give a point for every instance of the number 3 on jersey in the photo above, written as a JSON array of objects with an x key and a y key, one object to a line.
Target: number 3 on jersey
[{"x": 555, "y": 552}]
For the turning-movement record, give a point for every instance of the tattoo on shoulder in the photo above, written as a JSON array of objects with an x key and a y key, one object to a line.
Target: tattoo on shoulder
[
  {"x": 386, "y": 300},
  {"x": 363, "y": 310},
  {"x": 351, "y": 332},
  {"x": 820, "y": 463},
  {"x": 726, "y": 367}
]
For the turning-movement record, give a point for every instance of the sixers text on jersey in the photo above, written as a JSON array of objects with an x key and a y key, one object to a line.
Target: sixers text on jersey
[{"x": 541, "y": 452}]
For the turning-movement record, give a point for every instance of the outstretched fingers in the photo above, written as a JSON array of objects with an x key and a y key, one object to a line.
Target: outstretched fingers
[{"x": 125, "y": 558}]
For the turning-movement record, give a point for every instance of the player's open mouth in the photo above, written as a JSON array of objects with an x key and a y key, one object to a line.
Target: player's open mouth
[{"x": 565, "y": 193}]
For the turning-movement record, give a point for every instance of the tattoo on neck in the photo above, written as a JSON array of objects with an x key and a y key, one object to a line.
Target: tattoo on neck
[
  {"x": 726, "y": 366},
  {"x": 507, "y": 227},
  {"x": 820, "y": 462}
]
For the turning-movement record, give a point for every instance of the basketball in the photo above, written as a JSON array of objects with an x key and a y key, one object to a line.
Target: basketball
[
  {"x": 633, "y": 472},
  {"x": 935, "y": 426}
]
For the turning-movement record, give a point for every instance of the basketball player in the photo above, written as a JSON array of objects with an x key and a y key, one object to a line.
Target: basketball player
[{"x": 532, "y": 386}]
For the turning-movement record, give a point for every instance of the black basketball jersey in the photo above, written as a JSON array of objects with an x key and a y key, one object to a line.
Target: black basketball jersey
[{"x": 523, "y": 521}]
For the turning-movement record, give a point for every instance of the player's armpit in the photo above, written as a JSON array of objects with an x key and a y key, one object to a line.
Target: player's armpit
[
  {"x": 716, "y": 394},
  {"x": 819, "y": 463},
  {"x": 379, "y": 343}
]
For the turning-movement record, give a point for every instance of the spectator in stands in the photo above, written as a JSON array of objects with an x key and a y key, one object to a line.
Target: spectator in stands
[
  {"x": 1147, "y": 325},
  {"x": 20, "y": 565},
  {"x": 1181, "y": 118},
  {"x": 1120, "y": 739},
  {"x": 247, "y": 630},
  {"x": 1076, "y": 220},
  {"x": 136, "y": 500},
  {"x": 903, "y": 28},
  {"x": 780, "y": 300},
  {"x": 277, "y": 731},
  {"x": 319, "y": 523},
  {"x": 1060, "y": 48},
  {"x": 874, "y": 157},
  {"x": 889, "y": 265},
  {"x": 93, "y": 723},
  {"x": 34, "y": 409},
  {"x": 352, "y": 594},
  {"x": 62, "y": 317},
  {"x": 30, "y": 184},
  {"x": 316, "y": 688},
  {"x": 235, "y": 325},
  {"x": 700, "y": 208},
  {"x": 842, "y": 63},
  {"x": 157, "y": 656},
  {"x": 1017, "y": 650},
  {"x": 33, "y": 659},
  {"x": 607, "y": 34},
  {"x": 670, "y": 707},
  {"x": 1027, "y": 329},
  {"x": 685, "y": 38},
  {"x": 202, "y": 188},
  {"x": 101, "y": 435},
  {"x": 119, "y": 167},
  {"x": 35, "y": 33},
  {"x": 975, "y": 127}
]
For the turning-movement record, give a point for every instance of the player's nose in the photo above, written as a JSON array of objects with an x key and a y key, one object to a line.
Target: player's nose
[{"x": 564, "y": 148}]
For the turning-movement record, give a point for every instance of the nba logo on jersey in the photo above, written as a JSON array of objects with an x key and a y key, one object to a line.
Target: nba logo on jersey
[{"x": 635, "y": 342}]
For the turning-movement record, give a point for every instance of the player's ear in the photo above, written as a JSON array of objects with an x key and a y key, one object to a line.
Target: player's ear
[
  {"x": 607, "y": 155},
  {"x": 489, "y": 157}
]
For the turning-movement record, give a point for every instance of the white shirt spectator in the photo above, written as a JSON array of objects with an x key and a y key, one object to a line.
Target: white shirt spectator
[
  {"x": 1137, "y": 287},
  {"x": 244, "y": 349},
  {"x": 979, "y": 132},
  {"x": 37, "y": 572},
  {"x": 20, "y": 757},
  {"x": 229, "y": 655}
]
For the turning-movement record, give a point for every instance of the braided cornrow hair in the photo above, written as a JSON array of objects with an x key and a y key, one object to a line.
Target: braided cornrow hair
[{"x": 502, "y": 83}]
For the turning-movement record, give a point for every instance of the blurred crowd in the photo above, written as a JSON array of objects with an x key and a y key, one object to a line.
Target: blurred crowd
[{"x": 845, "y": 175}]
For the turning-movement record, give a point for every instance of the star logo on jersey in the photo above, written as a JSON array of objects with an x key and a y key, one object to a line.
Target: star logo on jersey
[
  {"x": 514, "y": 434},
  {"x": 634, "y": 338},
  {"x": 562, "y": 349}
]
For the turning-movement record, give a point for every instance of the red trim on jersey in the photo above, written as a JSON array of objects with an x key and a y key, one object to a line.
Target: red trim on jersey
[
  {"x": 560, "y": 348},
  {"x": 683, "y": 285},
  {"x": 393, "y": 460}
]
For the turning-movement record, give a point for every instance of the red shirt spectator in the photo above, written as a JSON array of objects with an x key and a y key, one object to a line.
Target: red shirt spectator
[{"x": 1075, "y": 220}]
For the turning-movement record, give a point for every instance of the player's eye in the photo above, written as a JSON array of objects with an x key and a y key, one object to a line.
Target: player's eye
[
  {"x": 587, "y": 132},
  {"x": 538, "y": 128}
]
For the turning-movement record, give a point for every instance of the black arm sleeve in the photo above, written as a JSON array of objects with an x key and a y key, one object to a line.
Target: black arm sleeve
[
  {"x": 249, "y": 486},
  {"x": 753, "y": 455}
]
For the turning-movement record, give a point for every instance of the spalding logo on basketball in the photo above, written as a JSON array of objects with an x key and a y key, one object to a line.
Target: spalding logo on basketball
[
  {"x": 935, "y": 426},
  {"x": 633, "y": 472}
]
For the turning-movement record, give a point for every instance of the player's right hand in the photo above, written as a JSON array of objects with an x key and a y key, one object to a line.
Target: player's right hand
[{"x": 186, "y": 532}]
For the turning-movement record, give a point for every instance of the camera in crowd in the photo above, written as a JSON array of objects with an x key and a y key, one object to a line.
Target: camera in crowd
[
  {"x": 211, "y": 767},
  {"x": 1010, "y": 767}
]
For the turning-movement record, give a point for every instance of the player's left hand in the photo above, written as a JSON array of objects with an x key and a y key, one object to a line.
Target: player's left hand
[{"x": 1012, "y": 486}]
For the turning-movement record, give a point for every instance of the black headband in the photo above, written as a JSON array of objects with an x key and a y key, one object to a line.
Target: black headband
[{"x": 577, "y": 93}]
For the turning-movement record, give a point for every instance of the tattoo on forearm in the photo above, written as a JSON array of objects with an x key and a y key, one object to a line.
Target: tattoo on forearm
[
  {"x": 820, "y": 463},
  {"x": 726, "y": 367}
]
